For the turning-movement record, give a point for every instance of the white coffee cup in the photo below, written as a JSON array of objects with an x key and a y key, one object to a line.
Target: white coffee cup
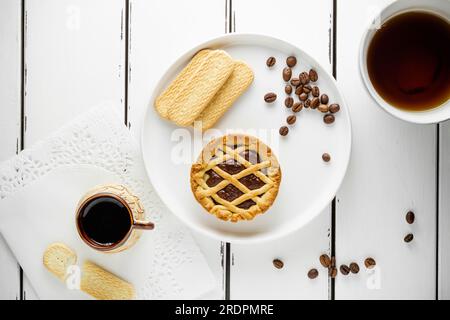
[{"x": 438, "y": 7}]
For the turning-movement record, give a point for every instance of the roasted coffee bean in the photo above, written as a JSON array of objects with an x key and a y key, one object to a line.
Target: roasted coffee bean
[
  {"x": 291, "y": 119},
  {"x": 410, "y": 217},
  {"x": 315, "y": 102},
  {"x": 288, "y": 102},
  {"x": 303, "y": 96},
  {"x": 315, "y": 91},
  {"x": 297, "y": 107},
  {"x": 307, "y": 89},
  {"x": 288, "y": 89},
  {"x": 332, "y": 272},
  {"x": 313, "y": 75},
  {"x": 369, "y": 263},
  {"x": 324, "y": 99},
  {"x": 277, "y": 263},
  {"x": 328, "y": 118},
  {"x": 313, "y": 273},
  {"x": 409, "y": 237},
  {"x": 271, "y": 61},
  {"x": 308, "y": 103},
  {"x": 291, "y": 61},
  {"x": 345, "y": 270},
  {"x": 354, "y": 268},
  {"x": 326, "y": 157},
  {"x": 304, "y": 78},
  {"x": 323, "y": 108},
  {"x": 299, "y": 90},
  {"x": 270, "y": 97},
  {"x": 295, "y": 82},
  {"x": 284, "y": 130},
  {"x": 334, "y": 108},
  {"x": 287, "y": 74},
  {"x": 325, "y": 260}
]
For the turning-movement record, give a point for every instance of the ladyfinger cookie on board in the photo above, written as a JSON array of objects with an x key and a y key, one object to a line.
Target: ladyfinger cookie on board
[
  {"x": 204, "y": 83},
  {"x": 57, "y": 258},
  {"x": 104, "y": 285},
  {"x": 166, "y": 99},
  {"x": 234, "y": 87}
]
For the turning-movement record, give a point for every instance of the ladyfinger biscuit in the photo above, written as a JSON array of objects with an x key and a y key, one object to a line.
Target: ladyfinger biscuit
[
  {"x": 57, "y": 258},
  {"x": 233, "y": 88},
  {"x": 203, "y": 85},
  {"x": 104, "y": 285},
  {"x": 166, "y": 99}
]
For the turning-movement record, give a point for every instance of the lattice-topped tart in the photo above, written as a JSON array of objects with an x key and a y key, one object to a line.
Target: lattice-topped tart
[{"x": 236, "y": 177}]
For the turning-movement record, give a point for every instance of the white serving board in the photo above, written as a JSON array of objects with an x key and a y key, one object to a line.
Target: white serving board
[{"x": 308, "y": 184}]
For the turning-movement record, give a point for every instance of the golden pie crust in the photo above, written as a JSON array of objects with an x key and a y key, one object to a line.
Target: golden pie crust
[{"x": 245, "y": 177}]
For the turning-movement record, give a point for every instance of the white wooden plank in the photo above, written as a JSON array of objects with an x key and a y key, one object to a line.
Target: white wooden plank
[
  {"x": 74, "y": 58},
  {"x": 160, "y": 31},
  {"x": 252, "y": 273},
  {"x": 444, "y": 212},
  {"x": 392, "y": 170},
  {"x": 10, "y": 105}
]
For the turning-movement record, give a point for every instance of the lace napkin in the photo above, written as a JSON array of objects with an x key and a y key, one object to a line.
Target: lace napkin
[{"x": 39, "y": 191}]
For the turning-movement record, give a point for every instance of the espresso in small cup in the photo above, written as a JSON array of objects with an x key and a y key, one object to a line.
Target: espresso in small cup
[
  {"x": 109, "y": 218},
  {"x": 408, "y": 61}
]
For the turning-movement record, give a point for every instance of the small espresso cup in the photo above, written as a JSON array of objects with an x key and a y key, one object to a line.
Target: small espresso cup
[
  {"x": 440, "y": 8},
  {"x": 109, "y": 218}
]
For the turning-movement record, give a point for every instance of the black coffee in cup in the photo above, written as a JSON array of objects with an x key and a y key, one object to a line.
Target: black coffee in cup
[{"x": 408, "y": 61}]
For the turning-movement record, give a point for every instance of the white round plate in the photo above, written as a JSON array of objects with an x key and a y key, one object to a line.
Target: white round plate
[{"x": 308, "y": 184}]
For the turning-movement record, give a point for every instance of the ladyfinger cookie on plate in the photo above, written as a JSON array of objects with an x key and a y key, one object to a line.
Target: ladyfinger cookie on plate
[
  {"x": 104, "y": 285},
  {"x": 166, "y": 99},
  {"x": 203, "y": 84},
  {"x": 234, "y": 87},
  {"x": 57, "y": 258}
]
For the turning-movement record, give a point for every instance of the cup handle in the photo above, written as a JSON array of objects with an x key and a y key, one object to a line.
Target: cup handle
[{"x": 144, "y": 225}]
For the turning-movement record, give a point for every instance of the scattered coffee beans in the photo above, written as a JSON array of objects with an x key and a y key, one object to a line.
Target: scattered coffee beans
[
  {"x": 288, "y": 102},
  {"x": 307, "y": 88},
  {"x": 291, "y": 119},
  {"x": 313, "y": 75},
  {"x": 287, "y": 74},
  {"x": 284, "y": 130},
  {"x": 332, "y": 272},
  {"x": 297, "y": 107},
  {"x": 315, "y": 102},
  {"x": 354, "y": 268},
  {"x": 315, "y": 91},
  {"x": 288, "y": 89},
  {"x": 325, "y": 260},
  {"x": 308, "y": 103},
  {"x": 410, "y": 217},
  {"x": 271, "y": 61},
  {"x": 295, "y": 82},
  {"x": 408, "y": 238},
  {"x": 345, "y": 270},
  {"x": 334, "y": 108},
  {"x": 270, "y": 97},
  {"x": 303, "y": 97},
  {"x": 291, "y": 61},
  {"x": 277, "y": 263},
  {"x": 299, "y": 90},
  {"x": 328, "y": 118},
  {"x": 324, "y": 99},
  {"x": 313, "y": 273},
  {"x": 304, "y": 78},
  {"x": 369, "y": 263},
  {"x": 326, "y": 157},
  {"x": 323, "y": 108}
]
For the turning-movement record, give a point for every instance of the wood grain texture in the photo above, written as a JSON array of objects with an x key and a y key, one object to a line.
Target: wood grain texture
[
  {"x": 159, "y": 32},
  {"x": 74, "y": 60},
  {"x": 10, "y": 106},
  {"x": 252, "y": 274},
  {"x": 444, "y": 212},
  {"x": 392, "y": 170}
]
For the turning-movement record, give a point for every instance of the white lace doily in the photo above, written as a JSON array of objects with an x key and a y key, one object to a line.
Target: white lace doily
[{"x": 99, "y": 139}]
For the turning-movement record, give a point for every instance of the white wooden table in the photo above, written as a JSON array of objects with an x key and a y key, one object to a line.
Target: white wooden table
[{"x": 59, "y": 57}]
